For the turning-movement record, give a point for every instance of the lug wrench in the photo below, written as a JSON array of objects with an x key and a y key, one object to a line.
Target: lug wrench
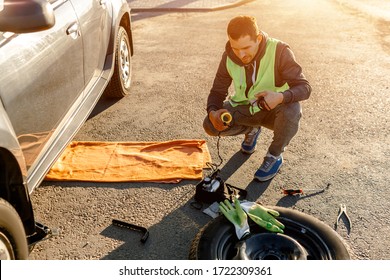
[{"x": 144, "y": 230}]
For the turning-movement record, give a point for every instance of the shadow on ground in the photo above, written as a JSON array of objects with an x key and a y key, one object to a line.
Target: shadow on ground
[{"x": 168, "y": 239}]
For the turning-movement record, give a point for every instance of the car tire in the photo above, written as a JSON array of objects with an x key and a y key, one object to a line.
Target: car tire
[
  {"x": 305, "y": 237},
  {"x": 119, "y": 85},
  {"x": 13, "y": 240}
]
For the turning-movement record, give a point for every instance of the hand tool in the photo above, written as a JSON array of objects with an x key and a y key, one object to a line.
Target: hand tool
[
  {"x": 301, "y": 191},
  {"x": 292, "y": 191},
  {"x": 42, "y": 233},
  {"x": 343, "y": 211},
  {"x": 133, "y": 227}
]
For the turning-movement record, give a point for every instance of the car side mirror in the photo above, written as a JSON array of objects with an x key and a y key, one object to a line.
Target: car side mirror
[{"x": 25, "y": 16}]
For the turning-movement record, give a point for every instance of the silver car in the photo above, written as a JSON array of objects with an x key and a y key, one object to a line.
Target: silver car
[{"x": 57, "y": 57}]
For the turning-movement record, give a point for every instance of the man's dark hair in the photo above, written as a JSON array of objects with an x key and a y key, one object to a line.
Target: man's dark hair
[{"x": 241, "y": 26}]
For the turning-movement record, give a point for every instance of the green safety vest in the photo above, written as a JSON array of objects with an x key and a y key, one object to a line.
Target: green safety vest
[{"x": 265, "y": 78}]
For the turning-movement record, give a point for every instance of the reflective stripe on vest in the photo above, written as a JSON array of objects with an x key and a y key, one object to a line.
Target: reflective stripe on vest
[{"x": 265, "y": 78}]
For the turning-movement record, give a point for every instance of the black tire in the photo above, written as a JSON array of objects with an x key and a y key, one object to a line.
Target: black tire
[
  {"x": 119, "y": 85},
  {"x": 312, "y": 238},
  {"x": 13, "y": 240}
]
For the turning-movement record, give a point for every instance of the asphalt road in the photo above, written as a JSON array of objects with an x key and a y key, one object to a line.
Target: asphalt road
[{"x": 343, "y": 139}]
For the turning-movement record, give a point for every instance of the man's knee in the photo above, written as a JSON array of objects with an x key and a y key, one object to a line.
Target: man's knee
[{"x": 291, "y": 112}]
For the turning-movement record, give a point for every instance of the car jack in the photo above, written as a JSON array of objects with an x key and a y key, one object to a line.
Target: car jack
[{"x": 42, "y": 233}]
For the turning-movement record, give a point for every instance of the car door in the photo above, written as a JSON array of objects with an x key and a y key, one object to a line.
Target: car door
[
  {"x": 41, "y": 78},
  {"x": 95, "y": 26}
]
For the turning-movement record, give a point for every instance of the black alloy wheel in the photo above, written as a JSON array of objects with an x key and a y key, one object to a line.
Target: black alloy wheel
[{"x": 304, "y": 238}]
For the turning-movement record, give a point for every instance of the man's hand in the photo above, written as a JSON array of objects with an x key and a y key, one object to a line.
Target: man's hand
[
  {"x": 236, "y": 216},
  {"x": 263, "y": 216},
  {"x": 271, "y": 99},
  {"x": 215, "y": 118}
]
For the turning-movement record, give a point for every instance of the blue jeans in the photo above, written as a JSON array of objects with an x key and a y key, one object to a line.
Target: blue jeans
[{"x": 283, "y": 120}]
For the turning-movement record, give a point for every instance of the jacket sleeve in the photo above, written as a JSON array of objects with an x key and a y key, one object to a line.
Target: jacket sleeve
[
  {"x": 289, "y": 71},
  {"x": 220, "y": 88}
]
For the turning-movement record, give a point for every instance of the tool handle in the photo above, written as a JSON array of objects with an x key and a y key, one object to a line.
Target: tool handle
[
  {"x": 226, "y": 118},
  {"x": 292, "y": 191},
  {"x": 144, "y": 230}
]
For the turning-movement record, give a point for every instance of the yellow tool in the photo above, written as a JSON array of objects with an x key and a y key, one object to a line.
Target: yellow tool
[{"x": 226, "y": 118}]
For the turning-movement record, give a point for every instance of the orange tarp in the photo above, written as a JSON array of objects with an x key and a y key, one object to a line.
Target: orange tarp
[{"x": 168, "y": 162}]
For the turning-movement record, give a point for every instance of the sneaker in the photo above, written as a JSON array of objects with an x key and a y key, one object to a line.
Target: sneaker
[
  {"x": 269, "y": 168},
  {"x": 248, "y": 146}
]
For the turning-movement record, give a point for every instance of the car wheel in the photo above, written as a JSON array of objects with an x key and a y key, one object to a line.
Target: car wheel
[
  {"x": 119, "y": 85},
  {"x": 305, "y": 237},
  {"x": 13, "y": 241}
]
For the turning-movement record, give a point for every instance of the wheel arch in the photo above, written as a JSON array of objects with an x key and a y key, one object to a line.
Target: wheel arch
[
  {"x": 121, "y": 17},
  {"x": 13, "y": 189},
  {"x": 13, "y": 173},
  {"x": 126, "y": 23}
]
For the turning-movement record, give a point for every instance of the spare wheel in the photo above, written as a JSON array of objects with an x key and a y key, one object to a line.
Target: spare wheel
[{"x": 305, "y": 237}]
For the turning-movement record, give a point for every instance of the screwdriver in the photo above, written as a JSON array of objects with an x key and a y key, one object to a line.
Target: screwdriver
[
  {"x": 300, "y": 191},
  {"x": 292, "y": 191}
]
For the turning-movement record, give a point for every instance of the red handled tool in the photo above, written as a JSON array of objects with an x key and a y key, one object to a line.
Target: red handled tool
[
  {"x": 292, "y": 191},
  {"x": 301, "y": 191}
]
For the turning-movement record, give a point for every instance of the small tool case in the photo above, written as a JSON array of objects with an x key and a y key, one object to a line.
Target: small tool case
[{"x": 212, "y": 188}]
